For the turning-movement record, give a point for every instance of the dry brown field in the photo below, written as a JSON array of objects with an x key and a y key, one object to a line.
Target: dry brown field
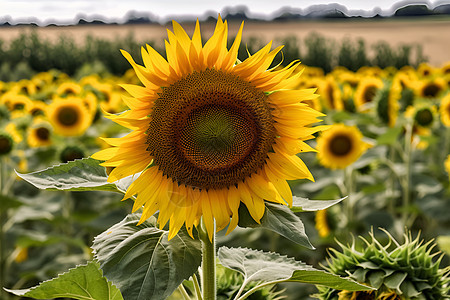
[{"x": 433, "y": 35}]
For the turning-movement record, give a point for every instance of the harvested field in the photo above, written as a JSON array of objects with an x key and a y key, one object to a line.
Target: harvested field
[{"x": 432, "y": 34}]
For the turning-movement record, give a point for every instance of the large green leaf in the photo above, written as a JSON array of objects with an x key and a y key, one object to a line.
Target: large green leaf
[
  {"x": 303, "y": 204},
  {"x": 140, "y": 260},
  {"x": 79, "y": 175},
  {"x": 83, "y": 282},
  {"x": 269, "y": 267},
  {"x": 280, "y": 219}
]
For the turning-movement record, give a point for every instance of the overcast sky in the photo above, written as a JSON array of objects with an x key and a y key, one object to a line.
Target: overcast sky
[{"x": 60, "y": 11}]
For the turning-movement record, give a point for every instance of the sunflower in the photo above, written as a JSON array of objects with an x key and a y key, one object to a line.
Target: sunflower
[
  {"x": 69, "y": 117},
  {"x": 387, "y": 101},
  {"x": 358, "y": 295},
  {"x": 69, "y": 89},
  {"x": 447, "y": 164},
  {"x": 425, "y": 70},
  {"x": 331, "y": 94},
  {"x": 340, "y": 146},
  {"x": 322, "y": 223},
  {"x": 210, "y": 133},
  {"x": 6, "y": 143},
  {"x": 444, "y": 110},
  {"x": 39, "y": 134},
  {"x": 366, "y": 91},
  {"x": 37, "y": 109},
  {"x": 431, "y": 88}
]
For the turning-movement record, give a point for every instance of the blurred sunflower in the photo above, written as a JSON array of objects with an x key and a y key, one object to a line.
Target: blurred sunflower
[
  {"x": 340, "y": 146},
  {"x": 447, "y": 164},
  {"x": 445, "y": 69},
  {"x": 210, "y": 133},
  {"x": 431, "y": 88},
  {"x": 331, "y": 94},
  {"x": 19, "y": 103},
  {"x": 6, "y": 143},
  {"x": 69, "y": 117},
  {"x": 322, "y": 223},
  {"x": 68, "y": 89},
  {"x": 39, "y": 134},
  {"x": 366, "y": 91},
  {"x": 444, "y": 110},
  {"x": 37, "y": 109},
  {"x": 387, "y": 103},
  {"x": 425, "y": 70}
]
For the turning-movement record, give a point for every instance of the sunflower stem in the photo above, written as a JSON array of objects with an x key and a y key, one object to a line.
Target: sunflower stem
[
  {"x": 348, "y": 177},
  {"x": 3, "y": 216},
  {"x": 183, "y": 292},
  {"x": 407, "y": 178},
  {"x": 208, "y": 263},
  {"x": 198, "y": 291}
]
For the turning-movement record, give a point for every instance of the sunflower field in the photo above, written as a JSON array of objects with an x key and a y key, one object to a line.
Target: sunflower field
[{"x": 366, "y": 154}]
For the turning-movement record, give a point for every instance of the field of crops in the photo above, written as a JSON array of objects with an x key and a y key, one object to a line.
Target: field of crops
[{"x": 386, "y": 151}]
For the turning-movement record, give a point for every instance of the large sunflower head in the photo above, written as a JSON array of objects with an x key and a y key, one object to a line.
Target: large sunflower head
[
  {"x": 340, "y": 146},
  {"x": 69, "y": 117},
  {"x": 209, "y": 133}
]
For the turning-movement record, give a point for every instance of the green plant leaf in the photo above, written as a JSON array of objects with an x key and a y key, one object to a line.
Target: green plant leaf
[
  {"x": 280, "y": 219},
  {"x": 140, "y": 260},
  {"x": 390, "y": 136},
  {"x": 79, "y": 175},
  {"x": 303, "y": 204},
  {"x": 9, "y": 202},
  {"x": 83, "y": 282},
  {"x": 269, "y": 267}
]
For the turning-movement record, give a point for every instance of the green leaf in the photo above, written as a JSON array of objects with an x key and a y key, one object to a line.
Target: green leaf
[
  {"x": 83, "y": 282},
  {"x": 280, "y": 219},
  {"x": 79, "y": 175},
  {"x": 8, "y": 202},
  {"x": 140, "y": 260},
  {"x": 390, "y": 136},
  {"x": 269, "y": 267},
  {"x": 303, "y": 204}
]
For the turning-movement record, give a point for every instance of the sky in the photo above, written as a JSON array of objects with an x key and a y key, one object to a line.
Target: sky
[{"x": 65, "y": 12}]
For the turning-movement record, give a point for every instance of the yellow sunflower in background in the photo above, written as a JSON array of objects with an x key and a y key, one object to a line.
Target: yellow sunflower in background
[
  {"x": 340, "y": 146},
  {"x": 39, "y": 134},
  {"x": 322, "y": 223},
  {"x": 444, "y": 110},
  {"x": 425, "y": 70},
  {"x": 208, "y": 133},
  {"x": 331, "y": 94},
  {"x": 447, "y": 164},
  {"x": 366, "y": 91},
  {"x": 37, "y": 109},
  {"x": 69, "y": 117},
  {"x": 68, "y": 89},
  {"x": 431, "y": 88}
]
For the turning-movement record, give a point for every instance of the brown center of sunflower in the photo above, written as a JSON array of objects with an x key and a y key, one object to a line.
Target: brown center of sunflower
[
  {"x": 68, "y": 116},
  {"x": 341, "y": 145},
  {"x": 431, "y": 90},
  {"x": 369, "y": 93},
  {"x": 424, "y": 117},
  {"x": 5, "y": 144},
  {"x": 43, "y": 133},
  {"x": 210, "y": 130},
  {"x": 18, "y": 106}
]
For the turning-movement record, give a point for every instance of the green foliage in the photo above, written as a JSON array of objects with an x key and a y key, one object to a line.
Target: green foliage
[
  {"x": 269, "y": 268},
  {"x": 142, "y": 262},
  {"x": 83, "y": 282},
  {"x": 78, "y": 175},
  {"x": 29, "y": 54}
]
